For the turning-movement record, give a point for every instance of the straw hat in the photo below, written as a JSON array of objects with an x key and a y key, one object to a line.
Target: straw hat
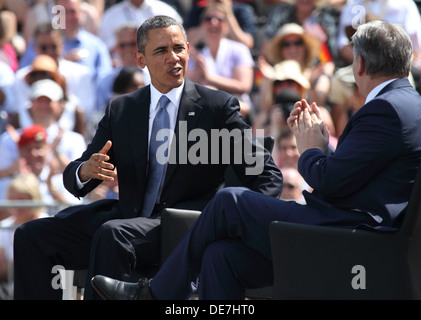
[
  {"x": 45, "y": 63},
  {"x": 311, "y": 43},
  {"x": 290, "y": 70}
]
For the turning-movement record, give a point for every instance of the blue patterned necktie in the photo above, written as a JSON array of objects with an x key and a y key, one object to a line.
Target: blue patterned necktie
[{"x": 156, "y": 166}]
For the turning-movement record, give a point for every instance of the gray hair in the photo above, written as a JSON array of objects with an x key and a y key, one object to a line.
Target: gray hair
[
  {"x": 155, "y": 22},
  {"x": 385, "y": 48}
]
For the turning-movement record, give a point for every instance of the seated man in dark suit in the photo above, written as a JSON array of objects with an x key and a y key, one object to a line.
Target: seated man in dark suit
[
  {"x": 367, "y": 181},
  {"x": 184, "y": 170}
]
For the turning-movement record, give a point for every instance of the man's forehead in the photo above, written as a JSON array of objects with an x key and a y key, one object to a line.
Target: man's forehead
[{"x": 162, "y": 34}]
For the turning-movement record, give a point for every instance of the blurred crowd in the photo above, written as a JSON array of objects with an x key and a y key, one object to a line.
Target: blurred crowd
[{"x": 61, "y": 61}]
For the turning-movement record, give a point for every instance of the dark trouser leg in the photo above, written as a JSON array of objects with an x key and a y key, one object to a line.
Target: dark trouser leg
[
  {"x": 120, "y": 247},
  {"x": 39, "y": 245},
  {"x": 229, "y": 267},
  {"x": 243, "y": 215},
  {"x": 235, "y": 213}
]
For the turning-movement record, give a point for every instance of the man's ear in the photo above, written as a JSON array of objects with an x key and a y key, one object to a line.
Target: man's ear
[
  {"x": 361, "y": 70},
  {"x": 140, "y": 58}
]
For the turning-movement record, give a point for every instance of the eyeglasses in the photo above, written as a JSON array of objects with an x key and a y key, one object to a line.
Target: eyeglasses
[
  {"x": 287, "y": 44},
  {"x": 40, "y": 74},
  {"x": 45, "y": 47},
  {"x": 288, "y": 82},
  {"x": 124, "y": 45},
  {"x": 211, "y": 18}
]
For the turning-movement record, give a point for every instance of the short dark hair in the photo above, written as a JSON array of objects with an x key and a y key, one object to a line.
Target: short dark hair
[{"x": 155, "y": 22}]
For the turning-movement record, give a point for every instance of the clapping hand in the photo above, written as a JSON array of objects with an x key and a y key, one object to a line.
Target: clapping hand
[{"x": 306, "y": 123}]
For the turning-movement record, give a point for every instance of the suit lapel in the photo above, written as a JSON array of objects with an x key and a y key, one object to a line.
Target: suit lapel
[
  {"x": 188, "y": 114},
  {"x": 139, "y": 123}
]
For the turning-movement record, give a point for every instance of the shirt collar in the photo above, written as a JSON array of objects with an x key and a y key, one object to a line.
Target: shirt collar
[
  {"x": 373, "y": 93},
  {"x": 174, "y": 95}
]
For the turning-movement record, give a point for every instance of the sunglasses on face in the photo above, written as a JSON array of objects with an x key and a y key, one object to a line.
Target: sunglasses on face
[
  {"x": 40, "y": 74},
  {"x": 44, "y": 47},
  {"x": 213, "y": 18},
  {"x": 296, "y": 43}
]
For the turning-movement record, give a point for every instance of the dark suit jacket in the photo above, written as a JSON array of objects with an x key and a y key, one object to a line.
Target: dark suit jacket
[
  {"x": 125, "y": 123},
  {"x": 375, "y": 163}
]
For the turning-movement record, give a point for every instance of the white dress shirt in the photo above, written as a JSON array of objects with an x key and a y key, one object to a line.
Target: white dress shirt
[
  {"x": 172, "y": 108},
  {"x": 373, "y": 93}
]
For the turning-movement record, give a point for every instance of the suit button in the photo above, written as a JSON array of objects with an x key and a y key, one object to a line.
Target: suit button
[{"x": 136, "y": 210}]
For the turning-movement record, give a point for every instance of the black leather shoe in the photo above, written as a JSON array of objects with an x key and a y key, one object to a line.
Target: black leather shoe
[{"x": 110, "y": 289}]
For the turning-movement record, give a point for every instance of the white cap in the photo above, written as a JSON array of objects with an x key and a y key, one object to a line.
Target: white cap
[{"x": 47, "y": 88}]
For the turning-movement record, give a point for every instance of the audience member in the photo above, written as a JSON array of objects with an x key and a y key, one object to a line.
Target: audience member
[
  {"x": 33, "y": 154},
  {"x": 7, "y": 94},
  {"x": 134, "y": 11},
  {"x": 42, "y": 12},
  {"x": 222, "y": 63},
  {"x": 241, "y": 20},
  {"x": 357, "y": 12},
  {"x": 287, "y": 75},
  {"x": 78, "y": 45},
  {"x": 63, "y": 145},
  {"x": 286, "y": 150},
  {"x": 128, "y": 79},
  {"x": 344, "y": 98},
  {"x": 124, "y": 50},
  {"x": 293, "y": 185},
  {"x": 44, "y": 67},
  {"x": 18, "y": 7},
  {"x": 79, "y": 80},
  {"x": 26, "y": 187},
  {"x": 284, "y": 81},
  {"x": 293, "y": 43},
  {"x": 8, "y": 30},
  {"x": 23, "y": 187},
  {"x": 82, "y": 46},
  {"x": 51, "y": 111},
  {"x": 317, "y": 19}
]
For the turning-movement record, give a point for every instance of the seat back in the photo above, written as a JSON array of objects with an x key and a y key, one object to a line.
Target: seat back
[
  {"x": 317, "y": 262},
  {"x": 411, "y": 223},
  {"x": 411, "y": 228},
  {"x": 175, "y": 223}
]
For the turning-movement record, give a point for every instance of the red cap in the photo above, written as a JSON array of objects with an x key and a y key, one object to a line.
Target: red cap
[{"x": 34, "y": 133}]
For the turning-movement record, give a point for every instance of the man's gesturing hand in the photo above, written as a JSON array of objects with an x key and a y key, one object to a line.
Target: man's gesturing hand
[{"x": 97, "y": 166}]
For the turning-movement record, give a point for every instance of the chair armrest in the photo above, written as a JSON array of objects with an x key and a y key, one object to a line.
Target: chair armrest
[
  {"x": 322, "y": 262},
  {"x": 175, "y": 223}
]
